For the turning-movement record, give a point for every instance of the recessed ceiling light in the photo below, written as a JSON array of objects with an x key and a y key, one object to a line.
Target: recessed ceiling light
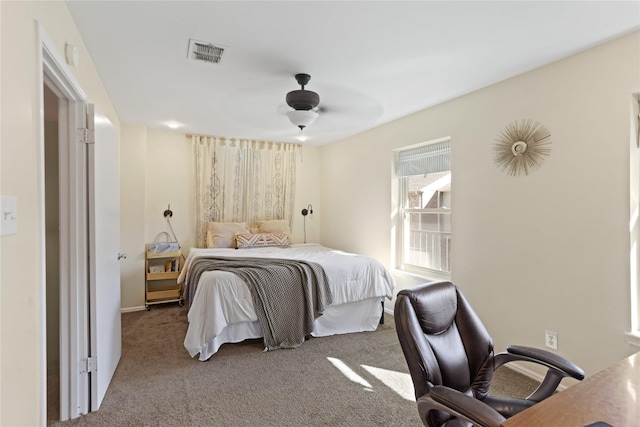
[{"x": 173, "y": 125}]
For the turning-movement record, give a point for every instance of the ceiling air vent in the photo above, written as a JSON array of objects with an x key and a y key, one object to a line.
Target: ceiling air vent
[{"x": 204, "y": 51}]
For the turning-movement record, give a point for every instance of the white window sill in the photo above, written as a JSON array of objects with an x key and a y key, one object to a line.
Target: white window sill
[
  {"x": 633, "y": 338},
  {"x": 422, "y": 275}
]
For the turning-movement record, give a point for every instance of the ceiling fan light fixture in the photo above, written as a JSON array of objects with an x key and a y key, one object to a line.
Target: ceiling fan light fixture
[
  {"x": 303, "y": 103},
  {"x": 302, "y": 118},
  {"x": 302, "y": 99}
]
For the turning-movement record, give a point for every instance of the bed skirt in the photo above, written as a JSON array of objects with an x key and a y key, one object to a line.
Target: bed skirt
[{"x": 347, "y": 318}]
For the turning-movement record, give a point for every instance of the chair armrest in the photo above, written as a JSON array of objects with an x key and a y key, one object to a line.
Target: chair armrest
[
  {"x": 548, "y": 358},
  {"x": 459, "y": 405},
  {"x": 557, "y": 368}
]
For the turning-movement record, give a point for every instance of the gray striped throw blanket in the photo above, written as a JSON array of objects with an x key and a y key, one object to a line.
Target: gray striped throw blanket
[{"x": 288, "y": 295}]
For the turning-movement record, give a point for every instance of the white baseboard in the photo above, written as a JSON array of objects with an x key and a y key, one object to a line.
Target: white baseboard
[{"x": 130, "y": 309}]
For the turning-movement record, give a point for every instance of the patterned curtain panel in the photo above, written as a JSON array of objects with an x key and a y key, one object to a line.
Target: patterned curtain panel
[{"x": 243, "y": 181}]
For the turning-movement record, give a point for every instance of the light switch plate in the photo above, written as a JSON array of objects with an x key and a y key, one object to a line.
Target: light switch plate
[{"x": 8, "y": 215}]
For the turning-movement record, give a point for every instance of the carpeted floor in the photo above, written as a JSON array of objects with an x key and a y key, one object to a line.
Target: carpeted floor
[{"x": 344, "y": 380}]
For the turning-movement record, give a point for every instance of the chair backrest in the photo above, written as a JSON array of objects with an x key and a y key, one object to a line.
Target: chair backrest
[{"x": 443, "y": 340}]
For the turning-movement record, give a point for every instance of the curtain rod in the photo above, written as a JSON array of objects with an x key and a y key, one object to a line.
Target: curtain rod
[{"x": 190, "y": 135}]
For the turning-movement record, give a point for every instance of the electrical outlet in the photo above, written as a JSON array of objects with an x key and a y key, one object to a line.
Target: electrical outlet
[{"x": 551, "y": 340}]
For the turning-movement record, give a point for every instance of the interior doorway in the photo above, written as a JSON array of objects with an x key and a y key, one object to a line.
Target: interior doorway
[
  {"x": 52, "y": 251},
  {"x": 67, "y": 270},
  {"x": 81, "y": 210}
]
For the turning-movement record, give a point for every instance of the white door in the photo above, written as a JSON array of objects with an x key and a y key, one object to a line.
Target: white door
[{"x": 104, "y": 245}]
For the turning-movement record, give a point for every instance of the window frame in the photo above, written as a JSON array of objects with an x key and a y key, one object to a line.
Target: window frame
[
  {"x": 633, "y": 335},
  {"x": 401, "y": 197}
]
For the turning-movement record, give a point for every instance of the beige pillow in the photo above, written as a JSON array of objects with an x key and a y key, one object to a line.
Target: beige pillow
[
  {"x": 223, "y": 234},
  {"x": 274, "y": 226}
]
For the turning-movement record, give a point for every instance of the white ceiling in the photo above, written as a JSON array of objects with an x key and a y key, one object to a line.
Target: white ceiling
[{"x": 370, "y": 61}]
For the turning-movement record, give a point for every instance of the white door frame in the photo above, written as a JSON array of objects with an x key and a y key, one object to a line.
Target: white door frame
[{"x": 74, "y": 331}]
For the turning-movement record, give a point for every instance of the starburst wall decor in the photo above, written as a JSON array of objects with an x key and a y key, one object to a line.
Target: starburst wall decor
[{"x": 522, "y": 147}]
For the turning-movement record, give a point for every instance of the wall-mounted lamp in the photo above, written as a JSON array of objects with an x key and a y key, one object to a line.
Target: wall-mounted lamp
[
  {"x": 168, "y": 213},
  {"x": 309, "y": 210},
  {"x": 305, "y": 212}
]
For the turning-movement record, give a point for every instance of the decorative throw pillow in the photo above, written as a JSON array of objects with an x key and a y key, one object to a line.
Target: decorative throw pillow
[
  {"x": 261, "y": 240},
  {"x": 274, "y": 226},
  {"x": 222, "y": 234}
]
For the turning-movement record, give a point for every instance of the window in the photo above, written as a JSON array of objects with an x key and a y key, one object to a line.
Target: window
[{"x": 424, "y": 208}]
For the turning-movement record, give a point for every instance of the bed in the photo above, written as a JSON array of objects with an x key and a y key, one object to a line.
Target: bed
[{"x": 221, "y": 309}]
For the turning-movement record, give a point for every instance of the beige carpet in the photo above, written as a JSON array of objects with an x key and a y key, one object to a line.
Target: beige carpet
[{"x": 345, "y": 380}]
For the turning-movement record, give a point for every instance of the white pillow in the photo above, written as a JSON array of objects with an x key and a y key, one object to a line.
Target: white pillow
[{"x": 223, "y": 234}]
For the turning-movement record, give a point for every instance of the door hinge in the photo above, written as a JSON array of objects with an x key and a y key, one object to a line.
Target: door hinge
[
  {"x": 86, "y": 136},
  {"x": 89, "y": 364}
]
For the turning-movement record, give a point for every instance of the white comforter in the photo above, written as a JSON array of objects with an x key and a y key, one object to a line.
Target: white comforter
[{"x": 223, "y": 299}]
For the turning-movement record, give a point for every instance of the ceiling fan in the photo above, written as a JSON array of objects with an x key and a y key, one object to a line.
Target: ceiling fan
[{"x": 304, "y": 103}]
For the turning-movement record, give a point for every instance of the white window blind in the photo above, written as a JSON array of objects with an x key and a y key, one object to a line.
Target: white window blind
[{"x": 424, "y": 159}]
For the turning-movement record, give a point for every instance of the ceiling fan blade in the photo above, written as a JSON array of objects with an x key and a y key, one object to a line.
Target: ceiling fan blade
[{"x": 282, "y": 109}]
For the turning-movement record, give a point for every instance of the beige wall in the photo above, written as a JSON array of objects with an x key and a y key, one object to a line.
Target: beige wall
[
  {"x": 157, "y": 170},
  {"x": 133, "y": 168},
  {"x": 548, "y": 251},
  {"x": 22, "y": 273}
]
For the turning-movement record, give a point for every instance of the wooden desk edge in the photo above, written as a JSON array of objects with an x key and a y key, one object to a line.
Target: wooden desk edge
[{"x": 606, "y": 396}]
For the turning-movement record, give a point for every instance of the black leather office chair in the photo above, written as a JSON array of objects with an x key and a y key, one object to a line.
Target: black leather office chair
[{"x": 451, "y": 360}]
